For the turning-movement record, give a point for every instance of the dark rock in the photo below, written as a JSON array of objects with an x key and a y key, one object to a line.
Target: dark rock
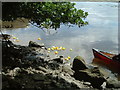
[
  {"x": 90, "y": 75},
  {"x": 22, "y": 68},
  {"x": 53, "y": 65},
  {"x": 112, "y": 84},
  {"x": 14, "y": 84},
  {"x": 79, "y": 64},
  {"x": 34, "y": 44},
  {"x": 61, "y": 56},
  {"x": 42, "y": 69},
  {"x": 39, "y": 77},
  {"x": 58, "y": 60},
  {"x": 9, "y": 83},
  {"x": 5, "y": 83},
  {"x": 7, "y": 43}
]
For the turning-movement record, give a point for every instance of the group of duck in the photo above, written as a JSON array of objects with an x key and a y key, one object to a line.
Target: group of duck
[
  {"x": 57, "y": 49},
  {"x": 53, "y": 48},
  {"x": 17, "y": 40}
]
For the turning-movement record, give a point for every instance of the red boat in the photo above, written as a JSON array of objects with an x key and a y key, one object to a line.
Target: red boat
[{"x": 106, "y": 59}]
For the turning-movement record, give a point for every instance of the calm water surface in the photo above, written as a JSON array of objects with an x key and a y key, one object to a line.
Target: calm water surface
[{"x": 101, "y": 33}]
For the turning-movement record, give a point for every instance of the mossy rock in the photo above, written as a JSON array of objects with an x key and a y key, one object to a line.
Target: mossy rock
[{"x": 79, "y": 63}]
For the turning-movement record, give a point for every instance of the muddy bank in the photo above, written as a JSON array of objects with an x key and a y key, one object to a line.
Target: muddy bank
[
  {"x": 18, "y": 23},
  {"x": 32, "y": 67}
]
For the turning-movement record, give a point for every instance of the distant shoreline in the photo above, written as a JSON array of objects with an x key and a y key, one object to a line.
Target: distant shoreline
[
  {"x": 63, "y": 1},
  {"x": 18, "y": 23}
]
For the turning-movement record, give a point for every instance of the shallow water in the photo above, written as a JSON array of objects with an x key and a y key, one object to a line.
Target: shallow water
[{"x": 101, "y": 32}]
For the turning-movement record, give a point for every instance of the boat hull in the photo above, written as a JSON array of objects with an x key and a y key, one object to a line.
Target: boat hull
[{"x": 105, "y": 59}]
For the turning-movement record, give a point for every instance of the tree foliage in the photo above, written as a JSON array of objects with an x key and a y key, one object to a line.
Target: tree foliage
[{"x": 45, "y": 14}]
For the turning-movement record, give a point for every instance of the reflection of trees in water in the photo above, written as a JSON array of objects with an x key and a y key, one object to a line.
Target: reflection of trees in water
[
  {"x": 49, "y": 31},
  {"x": 45, "y": 14}
]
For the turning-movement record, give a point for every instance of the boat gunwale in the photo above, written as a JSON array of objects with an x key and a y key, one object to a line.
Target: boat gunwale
[{"x": 98, "y": 51}]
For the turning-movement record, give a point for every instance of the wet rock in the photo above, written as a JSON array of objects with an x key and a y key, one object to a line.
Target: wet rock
[
  {"x": 87, "y": 83},
  {"x": 91, "y": 66},
  {"x": 7, "y": 82},
  {"x": 39, "y": 77},
  {"x": 14, "y": 84},
  {"x": 91, "y": 75},
  {"x": 25, "y": 67},
  {"x": 79, "y": 63},
  {"x": 112, "y": 84},
  {"x": 71, "y": 82},
  {"x": 34, "y": 44},
  {"x": 14, "y": 72},
  {"x": 53, "y": 65},
  {"x": 61, "y": 56},
  {"x": 58, "y": 60},
  {"x": 103, "y": 86},
  {"x": 43, "y": 69},
  {"x": 67, "y": 69}
]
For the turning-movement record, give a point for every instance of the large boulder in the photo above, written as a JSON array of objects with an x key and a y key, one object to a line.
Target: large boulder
[
  {"x": 34, "y": 44},
  {"x": 93, "y": 76},
  {"x": 79, "y": 63}
]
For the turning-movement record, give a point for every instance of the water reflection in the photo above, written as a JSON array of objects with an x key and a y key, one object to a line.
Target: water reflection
[{"x": 100, "y": 33}]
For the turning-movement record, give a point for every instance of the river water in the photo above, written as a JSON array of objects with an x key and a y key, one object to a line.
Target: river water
[{"x": 100, "y": 33}]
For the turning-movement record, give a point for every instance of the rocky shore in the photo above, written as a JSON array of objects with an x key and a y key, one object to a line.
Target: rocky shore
[{"x": 27, "y": 67}]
